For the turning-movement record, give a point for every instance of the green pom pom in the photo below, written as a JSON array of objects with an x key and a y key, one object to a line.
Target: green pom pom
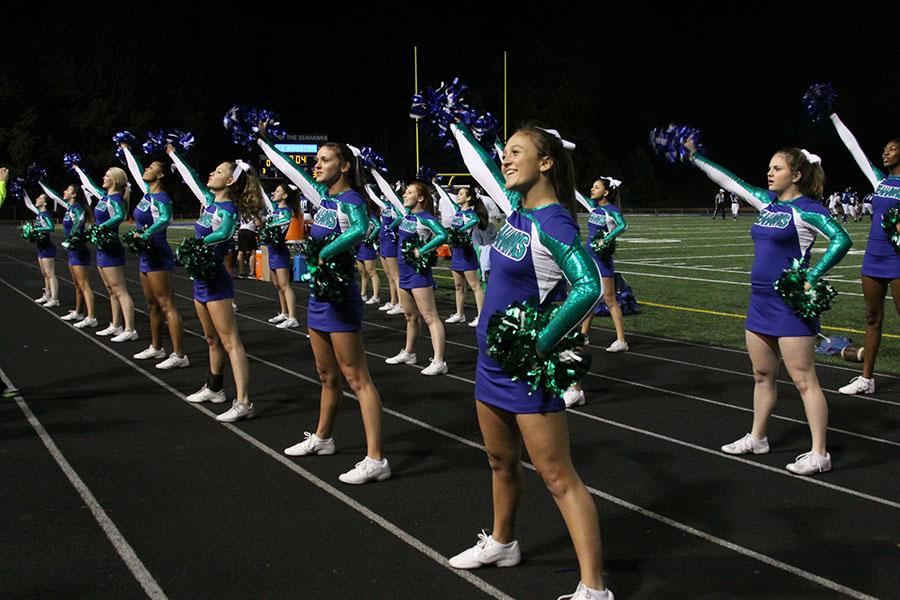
[
  {"x": 373, "y": 243},
  {"x": 603, "y": 247},
  {"x": 134, "y": 242},
  {"x": 330, "y": 280},
  {"x": 102, "y": 237},
  {"x": 806, "y": 303},
  {"x": 272, "y": 235},
  {"x": 512, "y": 342},
  {"x": 423, "y": 263},
  {"x": 889, "y": 221},
  {"x": 29, "y": 232},
  {"x": 75, "y": 240},
  {"x": 198, "y": 259},
  {"x": 460, "y": 238}
]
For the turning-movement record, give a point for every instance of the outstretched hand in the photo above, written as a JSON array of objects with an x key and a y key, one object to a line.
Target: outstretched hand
[
  {"x": 690, "y": 146},
  {"x": 4, "y": 174},
  {"x": 170, "y": 148}
]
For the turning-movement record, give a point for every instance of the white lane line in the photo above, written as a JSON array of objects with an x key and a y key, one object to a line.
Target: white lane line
[
  {"x": 615, "y": 500},
  {"x": 321, "y": 484},
  {"x": 741, "y": 283},
  {"x": 123, "y": 548}
]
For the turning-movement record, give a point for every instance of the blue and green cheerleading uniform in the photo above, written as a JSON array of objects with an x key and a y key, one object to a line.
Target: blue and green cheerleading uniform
[
  {"x": 43, "y": 224},
  {"x": 152, "y": 216},
  {"x": 420, "y": 226},
  {"x": 73, "y": 222},
  {"x": 280, "y": 254},
  {"x": 367, "y": 247},
  {"x": 607, "y": 218},
  {"x": 215, "y": 227}
]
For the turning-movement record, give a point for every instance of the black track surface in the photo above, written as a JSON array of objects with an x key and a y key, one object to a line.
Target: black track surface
[{"x": 215, "y": 511}]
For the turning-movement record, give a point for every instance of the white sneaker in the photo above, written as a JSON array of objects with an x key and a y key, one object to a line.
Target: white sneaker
[
  {"x": 150, "y": 352},
  {"x": 487, "y": 552},
  {"x": 363, "y": 297},
  {"x": 111, "y": 330},
  {"x": 583, "y": 593},
  {"x": 51, "y": 303},
  {"x": 859, "y": 385},
  {"x": 42, "y": 299},
  {"x": 288, "y": 324},
  {"x": 366, "y": 470},
  {"x": 373, "y": 300},
  {"x": 278, "y": 318},
  {"x": 747, "y": 445},
  {"x": 386, "y": 306},
  {"x": 72, "y": 316},
  {"x": 437, "y": 367},
  {"x": 237, "y": 412},
  {"x": 207, "y": 395},
  {"x": 174, "y": 362},
  {"x": 474, "y": 322},
  {"x": 86, "y": 322},
  {"x": 128, "y": 335},
  {"x": 455, "y": 318},
  {"x": 403, "y": 357},
  {"x": 234, "y": 307},
  {"x": 311, "y": 444},
  {"x": 396, "y": 310},
  {"x": 618, "y": 346},
  {"x": 573, "y": 397},
  {"x": 587, "y": 341},
  {"x": 810, "y": 463}
]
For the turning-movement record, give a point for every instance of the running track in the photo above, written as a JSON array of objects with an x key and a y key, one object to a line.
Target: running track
[{"x": 114, "y": 487}]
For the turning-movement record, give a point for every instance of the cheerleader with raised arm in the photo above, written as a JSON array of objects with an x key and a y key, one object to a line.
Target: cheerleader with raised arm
[
  {"x": 152, "y": 216},
  {"x": 388, "y": 241},
  {"x": 335, "y": 328},
  {"x": 286, "y": 205},
  {"x": 46, "y": 249},
  {"x": 78, "y": 255},
  {"x": 109, "y": 212},
  {"x": 790, "y": 217},
  {"x": 469, "y": 214},
  {"x": 366, "y": 254},
  {"x": 232, "y": 191},
  {"x": 536, "y": 249},
  {"x": 421, "y": 228},
  {"x": 881, "y": 262}
]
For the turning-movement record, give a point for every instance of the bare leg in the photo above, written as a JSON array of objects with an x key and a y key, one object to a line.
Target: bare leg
[
  {"x": 800, "y": 359},
  {"x": 475, "y": 285},
  {"x": 763, "y": 352},
  {"x": 351, "y": 358},
  {"x": 503, "y": 443},
  {"x": 412, "y": 319},
  {"x": 424, "y": 298},
  {"x": 225, "y": 323},
  {"x": 161, "y": 288}
]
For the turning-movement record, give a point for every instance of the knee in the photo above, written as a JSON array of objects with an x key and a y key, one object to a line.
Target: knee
[
  {"x": 609, "y": 298},
  {"x": 502, "y": 465},
  {"x": 557, "y": 479},
  {"x": 459, "y": 286},
  {"x": 230, "y": 344},
  {"x": 328, "y": 377},
  {"x": 874, "y": 318},
  {"x": 763, "y": 375}
]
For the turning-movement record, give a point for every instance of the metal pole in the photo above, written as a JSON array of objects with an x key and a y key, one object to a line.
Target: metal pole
[
  {"x": 416, "y": 91},
  {"x": 505, "y": 135}
]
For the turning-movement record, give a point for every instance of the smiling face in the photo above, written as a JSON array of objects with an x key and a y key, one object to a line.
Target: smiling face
[
  {"x": 598, "y": 190},
  {"x": 411, "y": 197},
  {"x": 522, "y": 167},
  {"x": 220, "y": 178},
  {"x": 462, "y": 198},
  {"x": 780, "y": 176}
]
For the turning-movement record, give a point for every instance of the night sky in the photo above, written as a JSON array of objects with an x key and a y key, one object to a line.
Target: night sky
[{"x": 74, "y": 73}]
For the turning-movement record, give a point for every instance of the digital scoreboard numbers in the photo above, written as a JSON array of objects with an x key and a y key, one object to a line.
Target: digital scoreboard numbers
[{"x": 299, "y": 148}]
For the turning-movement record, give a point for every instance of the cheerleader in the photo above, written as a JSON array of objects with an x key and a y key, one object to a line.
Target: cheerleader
[
  {"x": 417, "y": 289},
  {"x": 46, "y": 249},
  {"x": 365, "y": 257},
  {"x": 286, "y": 206},
  {"x": 79, "y": 257},
  {"x": 109, "y": 212},
  {"x": 232, "y": 191},
  {"x": 790, "y": 218},
  {"x": 881, "y": 262},
  {"x": 335, "y": 329},
  {"x": 388, "y": 246},
  {"x": 152, "y": 216},
  {"x": 537, "y": 247},
  {"x": 469, "y": 214}
]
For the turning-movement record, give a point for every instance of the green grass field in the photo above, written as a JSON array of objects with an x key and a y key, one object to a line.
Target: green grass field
[{"x": 691, "y": 277}]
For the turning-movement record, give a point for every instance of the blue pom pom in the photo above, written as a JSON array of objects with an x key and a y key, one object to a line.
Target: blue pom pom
[
  {"x": 818, "y": 101},
  {"x": 242, "y": 123},
  {"x": 124, "y": 137},
  {"x": 182, "y": 140},
  {"x": 438, "y": 108},
  {"x": 155, "y": 144},
  {"x": 669, "y": 141},
  {"x": 35, "y": 174},
  {"x": 16, "y": 188},
  {"x": 372, "y": 160},
  {"x": 70, "y": 160}
]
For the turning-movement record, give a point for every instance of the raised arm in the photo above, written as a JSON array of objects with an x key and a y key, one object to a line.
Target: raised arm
[
  {"x": 440, "y": 235},
  {"x": 581, "y": 272},
  {"x": 28, "y": 203},
  {"x": 191, "y": 178},
  {"x": 389, "y": 194},
  {"x": 758, "y": 198},
  {"x": 868, "y": 169},
  {"x": 483, "y": 168},
  {"x": 839, "y": 242},
  {"x": 375, "y": 197},
  {"x": 270, "y": 206},
  {"x": 86, "y": 182},
  {"x": 309, "y": 187},
  {"x": 135, "y": 168},
  {"x": 585, "y": 202},
  {"x": 51, "y": 193},
  {"x": 353, "y": 235}
]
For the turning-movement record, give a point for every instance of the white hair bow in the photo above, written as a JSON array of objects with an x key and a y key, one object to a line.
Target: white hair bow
[
  {"x": 354, "y": 150},
  {"x": 240, "y": 167},
  {"x": 613, "y": 182},
  {"x": 566, "y": 143},
  {"x": 812, "y": 158}
]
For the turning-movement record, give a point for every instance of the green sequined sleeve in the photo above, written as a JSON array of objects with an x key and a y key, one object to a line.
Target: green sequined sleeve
[{"x": 353, "y": 235}]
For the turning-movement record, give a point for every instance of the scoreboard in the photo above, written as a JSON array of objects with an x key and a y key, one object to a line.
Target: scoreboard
[{"x": 300, "y": 148}]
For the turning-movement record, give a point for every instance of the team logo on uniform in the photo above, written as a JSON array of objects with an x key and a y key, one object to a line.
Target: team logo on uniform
[
  {"x": 512, "y": 243},
  {"x": 886, "y": 191},
  {"x": 102, "y": 205},
  {"x": 598, "y": 219},
  {"x": 408, "y": 226},
  {"x": 143, "y": 205},
  {"x": 326, "y": 217},
  {"x": 777, "y": 220},
  {"x": 205, "y": 220}
]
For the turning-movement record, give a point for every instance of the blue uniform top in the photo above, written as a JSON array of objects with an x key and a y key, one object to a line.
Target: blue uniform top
[
  {"x": 216, "y": 226},
  {"x": 152, "y": 216},
  {"x": 887, "y": 196},
  {"x": 110, "y": 211},
  {"x": 73, "y": 219}
]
